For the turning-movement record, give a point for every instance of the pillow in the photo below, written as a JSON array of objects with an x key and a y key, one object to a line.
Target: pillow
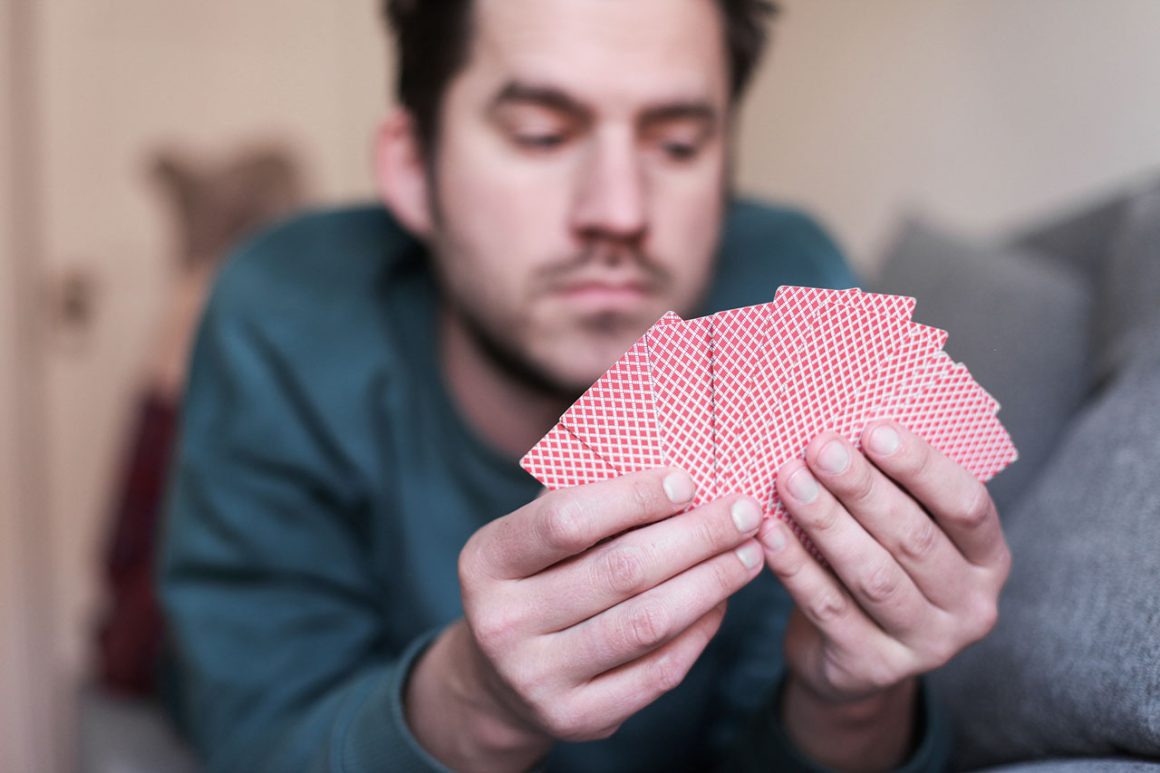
[
  {"x": 1081, "y": 238},
  {"x": 1128, "y": 295},
  {"x": 1073, "y": 666},
  {"x": 1018, "y": 320}
]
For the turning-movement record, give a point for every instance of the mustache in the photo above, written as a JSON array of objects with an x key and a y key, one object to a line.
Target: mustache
[{"x": 604, "y": 263}]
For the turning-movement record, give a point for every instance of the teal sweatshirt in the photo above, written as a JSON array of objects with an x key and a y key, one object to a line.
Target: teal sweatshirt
[{"x": 325, "y": 484}]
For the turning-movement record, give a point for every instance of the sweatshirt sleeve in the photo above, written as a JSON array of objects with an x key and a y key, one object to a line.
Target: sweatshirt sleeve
[
  {"x": 766, "y": 746},
  {"x": 278, "y": 643}
]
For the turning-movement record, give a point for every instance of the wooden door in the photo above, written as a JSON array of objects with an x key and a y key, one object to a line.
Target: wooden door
[{"x": 109, "y": 82}]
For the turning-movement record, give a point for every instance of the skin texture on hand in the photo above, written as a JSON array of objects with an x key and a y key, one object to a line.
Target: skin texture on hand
[
  {"x": 917, "y": 560},
  {"x": 580, "y": 609}
]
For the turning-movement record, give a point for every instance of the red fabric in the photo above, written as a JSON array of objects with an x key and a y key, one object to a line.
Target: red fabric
[{"x": 131, "y": 633}]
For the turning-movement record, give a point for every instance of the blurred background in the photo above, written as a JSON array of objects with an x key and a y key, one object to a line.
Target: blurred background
[{"x": 139, "y": 138}]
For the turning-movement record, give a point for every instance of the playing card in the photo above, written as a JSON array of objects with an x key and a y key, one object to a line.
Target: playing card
[
  {"x": 839, "y": 356},
  {"x": 681, "y": 367},
  {"x": 919, "y": 344},
  {"x": 747, "y": 386},
  {"x": 956, "y": 416},
  {"x": 561, "y": 460},
  {"x": 732, "y": 397},
  {"x": 616, "y": 417}
]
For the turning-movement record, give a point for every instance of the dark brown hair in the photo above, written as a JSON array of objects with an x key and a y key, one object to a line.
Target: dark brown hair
[{"x": 432, "y": 41}]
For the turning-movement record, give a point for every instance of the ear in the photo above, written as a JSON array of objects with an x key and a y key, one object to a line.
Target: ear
[{"x": 401, "y": 173}]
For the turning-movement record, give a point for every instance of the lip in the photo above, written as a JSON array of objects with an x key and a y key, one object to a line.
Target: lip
[{"x": 598, "y": 295}]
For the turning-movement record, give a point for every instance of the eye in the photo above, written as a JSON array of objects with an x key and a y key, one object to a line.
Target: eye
[
  {"x": 679, "y": 151},
  {"x": 540, "y": 141}
]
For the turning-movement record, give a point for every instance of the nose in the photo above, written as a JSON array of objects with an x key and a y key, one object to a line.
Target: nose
[{"x": 610, "y": 200}]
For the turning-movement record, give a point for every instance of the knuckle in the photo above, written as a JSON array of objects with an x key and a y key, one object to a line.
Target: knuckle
[
  {"x": 494, "y": 629},
  {"x": 828, "y": 607},
  {"x": 820, "y": 519},
  {"x": 644, "y": 496},
  {"x": 622, "y": 570},
  {"x": 976, "y": 508},
  {"x": 563, "y": 526},
  {"x": 835, "y": 672},
  {"x": 939, "y": 652},
  {"x": 1003, "y": 563},
  {"x": 647, "y": 626},
  {"x": 725, "y": 576},
  {"x": 862, "y": 488},
  {"x": 707, "y": 534},
  {"x": 571, "y": 723},
  {"x": 916, "y": 462},
  {"x": 881, "y": 584},
  {"x": 559, "y": 720},
  {"x": 918, "y": 542},
  {"x": 788, "y": 570},
  {"x": 668, "y": 672},
  {"x": 601, "y": 733},
  {"x": 469, "y": 562},
  {"x": 984, "y": 618}
]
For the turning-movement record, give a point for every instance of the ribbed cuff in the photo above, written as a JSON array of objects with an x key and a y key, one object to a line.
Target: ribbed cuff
[
  {"x": 768, "y": 746},
  {"x": 377, "y": 736}
]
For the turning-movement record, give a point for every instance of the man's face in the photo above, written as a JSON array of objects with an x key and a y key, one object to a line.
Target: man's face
[{"x": 579, "y": 177}]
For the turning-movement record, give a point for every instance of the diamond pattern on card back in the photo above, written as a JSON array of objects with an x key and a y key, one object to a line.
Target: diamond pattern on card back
[
  {"x": 682, "y": 375},
  {"x": 616, "y": 417},
  {"x": 561, "y": 460}
]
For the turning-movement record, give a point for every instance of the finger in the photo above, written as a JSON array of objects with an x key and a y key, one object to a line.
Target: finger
[
  {"x": 641, "y": 559},
  {"x": 625, "y": 690},
  {"x": 822, "y": 599},
  {"x": 643, "y": 623},
  {"x": 891, "y": 517},
  {"x": 569, "y": 521},
  {"x": 959, "y": 503},
  {"x": 876, "y": 582}
]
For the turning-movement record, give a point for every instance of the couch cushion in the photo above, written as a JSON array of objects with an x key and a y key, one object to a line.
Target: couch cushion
[
  {"x": 1082, "y": 236},
  {"x": 1082, "y": 765},
  {"x": 1016, "y": 318},
  {"x": 1128, "y": 297},
  {"x": 1073, "y": 667}
]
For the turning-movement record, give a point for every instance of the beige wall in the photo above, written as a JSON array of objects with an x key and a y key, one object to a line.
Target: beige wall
[{"x": 980, "y": 112}]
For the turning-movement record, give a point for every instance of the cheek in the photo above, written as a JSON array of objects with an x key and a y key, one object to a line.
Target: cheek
[
  {"x": 687, "y": 219},
  {"x": 511, "y": 213}
]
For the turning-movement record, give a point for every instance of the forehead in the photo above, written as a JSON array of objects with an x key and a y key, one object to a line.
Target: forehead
[{"x": 609, "y": 53}]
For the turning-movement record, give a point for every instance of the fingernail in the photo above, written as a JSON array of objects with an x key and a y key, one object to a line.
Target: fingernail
[
  {"x": 803, "y": 486},
  {"x": 834, "y": 457},
  {"x": 746, "y": 516},
  {"x": 884, "y": 440},
  {"x": 773, "y": 537},
  {"x": 679, "y": 487},
  {"x": 749, "y": 555}
]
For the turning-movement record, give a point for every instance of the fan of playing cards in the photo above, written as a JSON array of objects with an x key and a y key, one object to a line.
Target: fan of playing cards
[{"x": 731, "y": 397}]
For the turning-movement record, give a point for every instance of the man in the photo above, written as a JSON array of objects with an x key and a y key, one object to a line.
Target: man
[{"x": 346, "y": 590}]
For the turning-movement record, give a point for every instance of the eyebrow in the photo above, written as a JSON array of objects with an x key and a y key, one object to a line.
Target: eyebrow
[
  {"x": 515, "y": 92},
  {"x": 552, "y": 98}
]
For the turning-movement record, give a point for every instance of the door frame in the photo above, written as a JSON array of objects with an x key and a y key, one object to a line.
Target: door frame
[{"x": 33, "y": 716}]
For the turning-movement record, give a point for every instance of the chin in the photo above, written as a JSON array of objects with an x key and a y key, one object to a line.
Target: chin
[{"x": 589, "y": 362}]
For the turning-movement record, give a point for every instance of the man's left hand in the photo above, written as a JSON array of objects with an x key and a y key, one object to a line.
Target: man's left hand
[{"x": 917, "y": 560}]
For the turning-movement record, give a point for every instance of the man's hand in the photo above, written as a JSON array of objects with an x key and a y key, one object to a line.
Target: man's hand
[
  {"x": 917, "y": 559},
  {"x": 580, "y": 609}
]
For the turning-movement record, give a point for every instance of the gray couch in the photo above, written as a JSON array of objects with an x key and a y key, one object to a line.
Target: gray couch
[{"x": 1062, "y": 324}]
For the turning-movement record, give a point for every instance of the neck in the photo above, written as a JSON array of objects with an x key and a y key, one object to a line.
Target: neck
[{"x": 507, "y": 413}]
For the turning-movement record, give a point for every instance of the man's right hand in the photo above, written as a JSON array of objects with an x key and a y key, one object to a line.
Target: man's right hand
[{"x": 580, "y": 609}]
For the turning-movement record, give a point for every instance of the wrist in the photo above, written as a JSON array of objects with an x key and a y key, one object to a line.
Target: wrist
[
  {"x": 872, "y": 732},
  {"x": 454, "y": 713}
]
